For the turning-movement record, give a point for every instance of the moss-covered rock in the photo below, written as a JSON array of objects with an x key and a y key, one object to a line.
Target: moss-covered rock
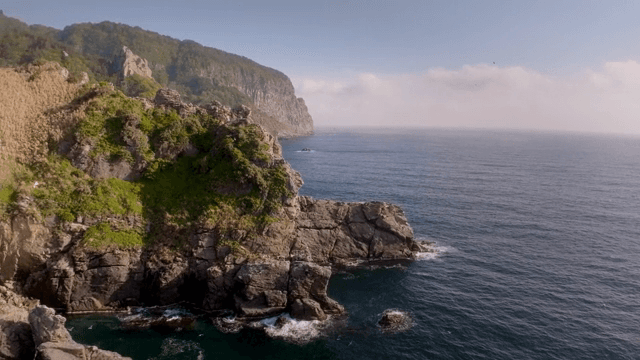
[{"x": 181, "y": 171}]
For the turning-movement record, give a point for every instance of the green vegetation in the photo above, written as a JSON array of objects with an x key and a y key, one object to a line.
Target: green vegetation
[
  {"x": 7, "y": 196},
  {"x": 177, "y": 64},
  {"x": 67, "y": 192},
  {"x": 103, "y": 235},
  {"x": 136, "y": 85},
  {"x": 226, "y": 183}
]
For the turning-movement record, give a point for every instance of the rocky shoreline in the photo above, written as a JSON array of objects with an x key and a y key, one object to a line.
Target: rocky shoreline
[{"x": 214, "y": 264}]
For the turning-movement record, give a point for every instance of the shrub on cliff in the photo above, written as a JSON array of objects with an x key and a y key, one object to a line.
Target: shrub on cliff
[{"x": 197, "y": 172}]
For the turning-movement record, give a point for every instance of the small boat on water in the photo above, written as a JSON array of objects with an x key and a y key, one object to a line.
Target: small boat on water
[{"x": 306, "y": 150}]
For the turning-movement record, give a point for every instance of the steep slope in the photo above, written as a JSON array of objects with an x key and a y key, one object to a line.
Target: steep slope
[
  {"x": 155, "y": 202},
  {"x": 201, "y": 74}
]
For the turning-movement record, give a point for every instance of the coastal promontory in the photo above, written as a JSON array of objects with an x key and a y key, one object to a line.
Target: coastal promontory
[{"x": 126, "y": 202}]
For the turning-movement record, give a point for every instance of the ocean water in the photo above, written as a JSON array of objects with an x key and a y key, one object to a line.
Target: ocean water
[{"x": 538, "y": 239}]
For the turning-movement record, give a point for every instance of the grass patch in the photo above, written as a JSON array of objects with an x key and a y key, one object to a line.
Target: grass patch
[
  {"x": 8, "y": 194},
  {"x": 68, "y": 192},
  {"x": 229, "y": 184},
  {"x": 103, "y": 235}
]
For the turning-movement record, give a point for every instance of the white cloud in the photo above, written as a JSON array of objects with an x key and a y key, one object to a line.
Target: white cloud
[{"x": 606, "y": 100}]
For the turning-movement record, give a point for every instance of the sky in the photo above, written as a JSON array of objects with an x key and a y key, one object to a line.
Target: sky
[{"x": 534, "y": 65}]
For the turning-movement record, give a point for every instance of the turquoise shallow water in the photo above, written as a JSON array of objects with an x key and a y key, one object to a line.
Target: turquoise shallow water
[{"x": 539, "y": 236}]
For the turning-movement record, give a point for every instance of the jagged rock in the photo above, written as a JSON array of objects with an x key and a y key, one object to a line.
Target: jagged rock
[
  {"x": 307, "y": 309},
  {"x": 16, "y": 339},
  {"x": 126, "y": 63},
  {"x": 167, "y": 97},
  {"x": 395, "y": 321},
  {"x": 260, "y": 288},
  {"x": 24, "y": 242},
  {"x": 53, "y": 341},
  {"x": 309, "y": 281},
  {"x": 241, "y": 112},
  {"x": 47, "y": 326},
  {"x": 334, "y": 232},
  {"x": 218, "y": 111}
]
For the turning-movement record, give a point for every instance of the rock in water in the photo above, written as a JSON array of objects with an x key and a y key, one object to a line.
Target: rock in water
[
  {"x": 16, "y": 340},
  {"x": 395, "y": 321},
  {"x": 53, "y": 341},
  {"x": 47, "y": 326}
]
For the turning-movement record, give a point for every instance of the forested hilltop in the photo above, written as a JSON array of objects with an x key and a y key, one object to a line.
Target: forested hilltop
[{"x": 200, "y": 74}]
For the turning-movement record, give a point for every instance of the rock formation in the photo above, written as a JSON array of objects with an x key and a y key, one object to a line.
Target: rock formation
[
  {"x": 16, "y": 340},
  {"x": 281, "y": 266},
  {"x": 32, "y": 331},
  {"x": 53, "y": 341},
  {"x": 393, "y": 321},
  {"x": 126, "y": 63}
]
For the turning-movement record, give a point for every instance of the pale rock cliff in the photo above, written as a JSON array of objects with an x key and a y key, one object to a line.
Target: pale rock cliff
[
  {"x": 53, "y": 341},
  {"x": 126, "y": 63}
]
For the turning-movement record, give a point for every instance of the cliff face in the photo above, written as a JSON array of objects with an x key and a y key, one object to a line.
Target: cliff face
[
  {"x": 152, "y": 202},
  {"x": 274, "y": 95},
  {"x": 208, "y": 214},
  {"x": 111, "y": 52}
]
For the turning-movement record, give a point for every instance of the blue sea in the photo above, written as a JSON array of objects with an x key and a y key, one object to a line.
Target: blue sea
[{"x": 538, "y": 251}]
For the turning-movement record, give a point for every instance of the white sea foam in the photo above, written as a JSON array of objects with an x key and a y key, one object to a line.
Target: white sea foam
[
  {"x": 434, "y": 250},
  {"x": 289, "y": 329},
  {"x": 174, "y": 314}
]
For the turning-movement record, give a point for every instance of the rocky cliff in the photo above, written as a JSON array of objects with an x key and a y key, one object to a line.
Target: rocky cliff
[
  {"x": 112, "y": 52},
  {"x": 144, "y": 202},
  {"x": 32, "y": 331}
]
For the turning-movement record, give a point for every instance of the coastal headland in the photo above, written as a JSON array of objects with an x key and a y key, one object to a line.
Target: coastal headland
[{"x": 125, "y": 202}]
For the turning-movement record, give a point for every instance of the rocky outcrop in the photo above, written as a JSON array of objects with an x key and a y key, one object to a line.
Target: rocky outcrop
[
  {"x": 16, "y": 340},
  {"x": 393, "y": 321},
  {"x": 290, "y": 269},
  {"x": 25, "y": 243},
  {"x": 53, "y": 341},
  {"x": 103, "y": 167},
  {"x": 32, "y": 331},
  {"x": 284, "y": 265},
  {"x": 126, "y": 63}
]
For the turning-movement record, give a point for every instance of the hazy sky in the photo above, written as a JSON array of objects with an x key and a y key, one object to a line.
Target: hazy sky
[{"x": 569, "y": 65}]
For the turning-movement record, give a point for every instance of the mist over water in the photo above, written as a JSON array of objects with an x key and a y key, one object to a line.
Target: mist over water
[{"x": 538, "y": 238}]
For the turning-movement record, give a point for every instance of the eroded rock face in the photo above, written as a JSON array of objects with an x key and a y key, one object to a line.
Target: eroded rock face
[
  {"x": 335, "y": 233},
  {"x": 16, "y": 338},
  {"x": 285, "y": 267},
  {"x": 290, "y": 269},
  {"x": 53, "y": 341},
  {"x": 261, "y": 288},
  {"x": 24, "y": 242},
  {"x": 126, "y": 63}
]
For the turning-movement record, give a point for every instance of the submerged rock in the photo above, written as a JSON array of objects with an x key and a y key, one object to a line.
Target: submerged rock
[
  {"x": 161, "y": 319},
  {"x": 395, "y": 321}
]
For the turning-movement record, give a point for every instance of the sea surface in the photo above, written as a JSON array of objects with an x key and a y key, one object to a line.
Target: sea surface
[{"x": 538, "y": 239}]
